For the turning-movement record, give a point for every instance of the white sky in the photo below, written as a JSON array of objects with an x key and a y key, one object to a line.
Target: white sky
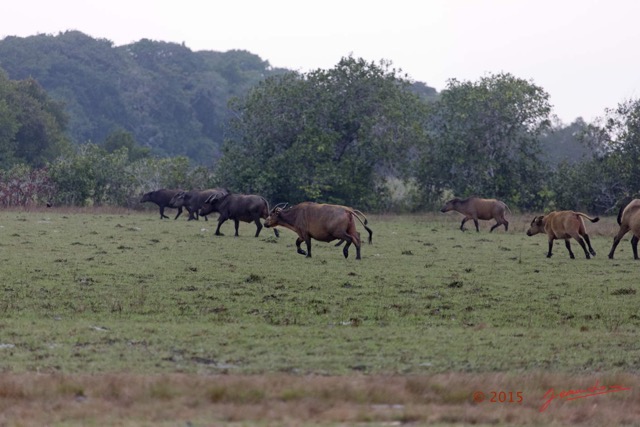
[{"x": 584, "y": 53}]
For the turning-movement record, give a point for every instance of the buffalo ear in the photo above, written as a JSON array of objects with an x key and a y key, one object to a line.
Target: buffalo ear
[{"x": 539, "y": 220}]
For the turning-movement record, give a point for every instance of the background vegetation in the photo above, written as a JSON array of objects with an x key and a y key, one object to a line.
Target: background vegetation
[{"x": 83, "y": 122}]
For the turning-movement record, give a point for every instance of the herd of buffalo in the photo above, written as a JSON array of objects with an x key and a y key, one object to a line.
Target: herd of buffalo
[{"x": 326, "y": 222}]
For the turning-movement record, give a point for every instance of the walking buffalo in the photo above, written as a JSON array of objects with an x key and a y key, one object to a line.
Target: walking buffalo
[
  {"x": 476, "y": 208},
  {"x": 162, "y": 198},
  {"x": 628, "y": 219},
  {"x": 193, "y": 200},
  {"x": 237, "y": 207},
  {"x": 321, "y": 222},
  {"x": 563, "y": 225}
]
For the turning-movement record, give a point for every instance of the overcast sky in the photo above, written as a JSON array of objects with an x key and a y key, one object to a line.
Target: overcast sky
[{"x": 584, "y": 53}]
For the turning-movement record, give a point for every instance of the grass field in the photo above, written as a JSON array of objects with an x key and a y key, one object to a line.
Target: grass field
[{"x": 120, "y": 318}]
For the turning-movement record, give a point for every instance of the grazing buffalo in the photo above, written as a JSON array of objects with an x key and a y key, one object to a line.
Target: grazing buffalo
[
  {"x": 193, "y": 200},
  {"x": 238, "y": 207},
  {"x": 628, "y": 219},
  {"x": 321, "y": 222},
  {"x": 563, "y": 225},
  {"x": 162, "y": 198},
  {"x": 476, "y": 208}
]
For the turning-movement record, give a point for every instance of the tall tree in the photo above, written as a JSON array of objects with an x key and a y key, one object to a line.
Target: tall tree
[
  {"x": 485, "y": 140},
  {"x": 564, "y": 143},
  {"x": 330, "y": 135},
  {"x": 119, "y": 139},
  {"x": 32, "y": 125},
  {"x": 614, "y": 174},
  {"x": 8, "y": 123}
]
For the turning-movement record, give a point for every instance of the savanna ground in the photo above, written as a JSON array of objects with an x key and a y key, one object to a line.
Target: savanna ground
[{"x": 119, "y": 318}]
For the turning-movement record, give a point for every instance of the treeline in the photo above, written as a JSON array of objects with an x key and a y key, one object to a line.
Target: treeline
[
  {"x": 355, "y": 134},
  {"x": 360, "y": 133},
  {"x": 171, "y": 99}
]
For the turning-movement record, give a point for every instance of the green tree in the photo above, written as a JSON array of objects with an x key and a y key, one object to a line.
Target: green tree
[
  {"x": 92, "y": 176},
  {"x": 565, "y": 143},
  {"x": 8, "y": 123},
  {"x": 485, "y": 141},
  {"x": 620, "y": 141},
  {"x": 613, "y": 174},
  {"x": 330, "y": 135},
  {"x": 32, "y": 125},
  {"x": 120, "y": 139}
]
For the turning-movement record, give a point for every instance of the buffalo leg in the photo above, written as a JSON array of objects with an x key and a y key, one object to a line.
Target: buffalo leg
[
  {"x": 357, "y": 244},
  {"x": 259, "y": 226},
  {"x": 162, "y": 215},
  {"x": 613, "y": 247},
  {"x": 298, "y": 243},
  {"x": 221, "y": 220},
  {"x": 586, "y": 239},
  {"x": 584, "y": 247},
  {"x": 345, "y": 250},
  {"x": 616, "y": 240},
  {"x": 179, "y": 212},
  {"x": 550, "y": 249},
  {"x": 499, "y": 223},
  {"x": 634, "y": 246},
  {"x": 308, "y": 242},
  {"x": 568, "y": 245},
  {"x": 236, "y": 224},
  {"x": 465, "y": 219},
  {"x": 475, "y": 222},
  {"x": 349, "y": 238}
]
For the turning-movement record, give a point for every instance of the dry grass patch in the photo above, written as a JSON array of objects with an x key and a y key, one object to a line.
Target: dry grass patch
[{"x": 176, "y": 399}]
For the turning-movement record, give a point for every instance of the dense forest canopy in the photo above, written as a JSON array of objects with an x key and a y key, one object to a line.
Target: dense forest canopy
[
  {"x": 83, "y": 121},
  {"x": 173, "y": 100}
]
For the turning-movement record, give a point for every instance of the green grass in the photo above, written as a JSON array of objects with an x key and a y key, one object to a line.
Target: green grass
[{"x": 83, "y": 292}]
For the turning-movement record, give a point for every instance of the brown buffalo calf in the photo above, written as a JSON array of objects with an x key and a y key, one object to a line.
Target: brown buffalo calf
[
  {"x": 476, "y": 208},
  {"x": 563, "y": 225},
  {"x": 628, "y": 219}
]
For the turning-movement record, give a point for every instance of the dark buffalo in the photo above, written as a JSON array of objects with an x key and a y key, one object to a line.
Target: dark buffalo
[
  {"x": 193, "y": 200},
  {"x": 162, "y": 198},
  {"x": 237, "y": 207},
  {"x": 321, "y": 222}
]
